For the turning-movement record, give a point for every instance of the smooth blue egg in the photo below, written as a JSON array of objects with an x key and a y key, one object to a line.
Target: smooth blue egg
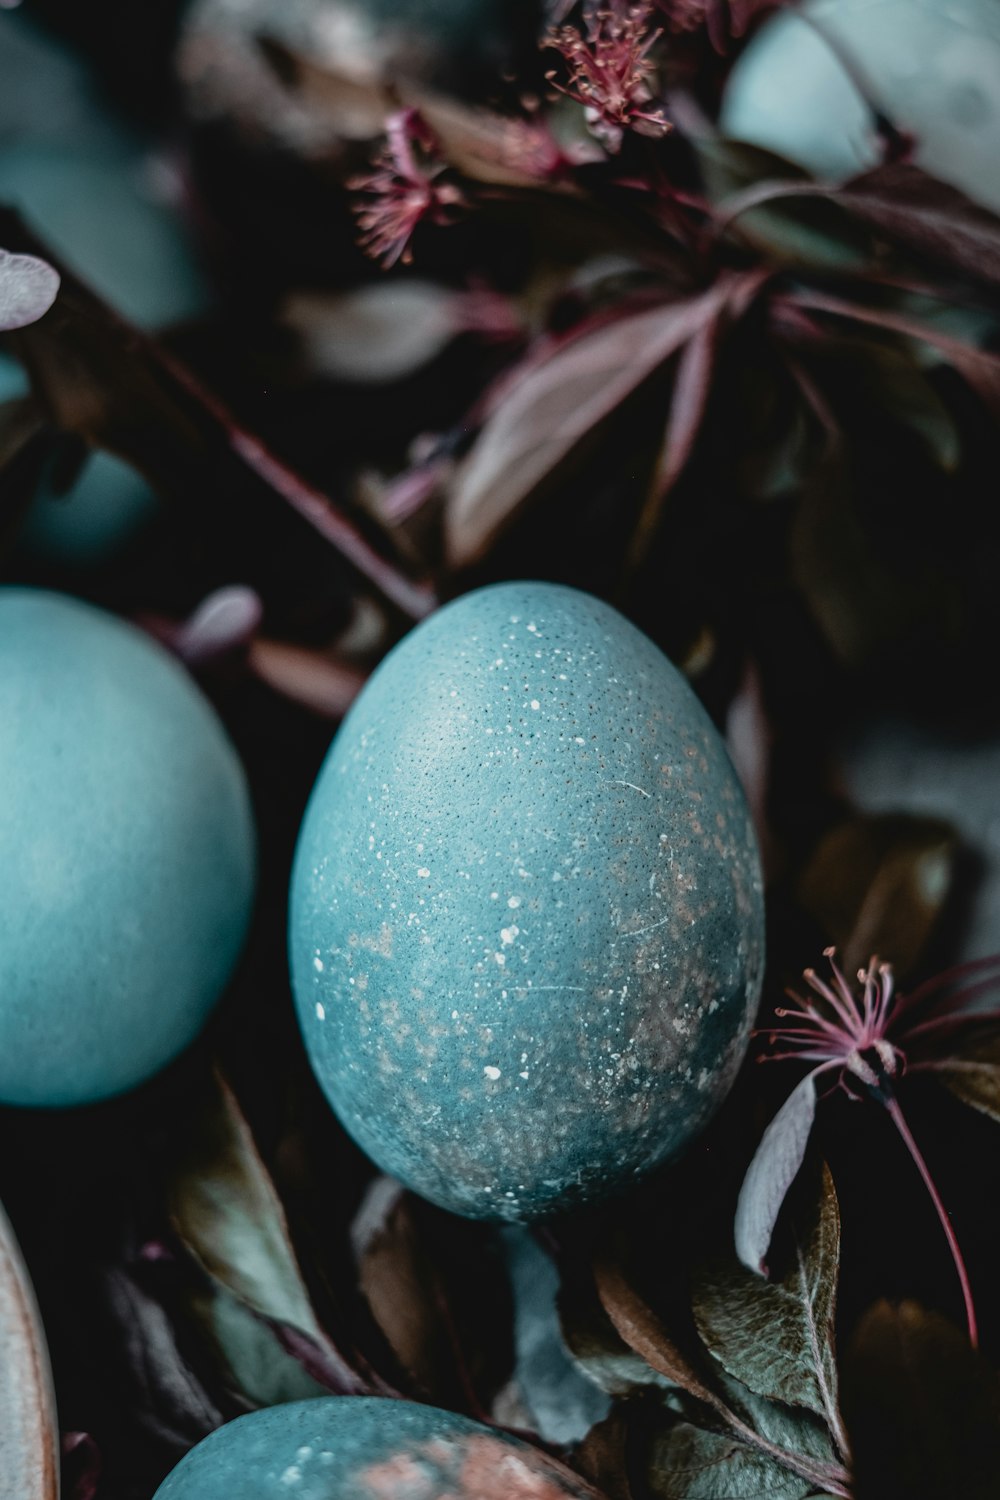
[
  {"x": 932, "y": 65},
  {"x": 365, "y": 1448},
  {"x": 526, "y": 927},
  {"x": 126, "y": 853}
]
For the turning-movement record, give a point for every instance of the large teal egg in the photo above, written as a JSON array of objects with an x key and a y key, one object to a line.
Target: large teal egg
[
  {"x": 365, "y": 1448},
  {"x": 126, "y": 853},
  {"x": 933, "y": 66},
  {"x": 526, "y": 928}
]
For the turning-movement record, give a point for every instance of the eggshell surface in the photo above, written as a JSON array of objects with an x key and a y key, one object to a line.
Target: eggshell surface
[
  {"x": 365, "y": 1448},
  {"x": 933, "y": 66},
  {"x": 526, "y": 927},
  {"x": 126, "y": 853}
]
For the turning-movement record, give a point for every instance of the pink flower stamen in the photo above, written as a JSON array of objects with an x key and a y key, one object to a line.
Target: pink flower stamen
[
  {"x": 610, "y": 71},
  {"x": 855, "y": 1043},
  {"x": 403, "y": 190}
]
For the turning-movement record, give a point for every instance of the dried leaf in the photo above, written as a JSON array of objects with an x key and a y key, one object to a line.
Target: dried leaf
[
  {"x": 555, "y": 410},
  {"x": 603, "y": 1457},
  {"x": 771, "y": 1173},
  {"x": 878, "y": 884},
  {"x": 640, "y": 1328},
  {"x": 227, "y": 1212},
  {"x": 166, "y": 1393},
  {"x": 974, "y": 1076},
  {"x": 437, "y": 1288},
  {"x": 29, "y": 1434},
  {"x": 923, "y": 1409},
  {"x": 777, "y": 1338},
  {"x": 600, "y": 1352},
  {"x": 28, "y": 288}
]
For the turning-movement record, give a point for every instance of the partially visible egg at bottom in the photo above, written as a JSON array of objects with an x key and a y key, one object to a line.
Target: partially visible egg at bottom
[
  {"x": 526, "y": 925},
  {"x": 127, "y": 853},
  {"x": 365, "y": 1448},
  {"x": 933, "y": 66}
]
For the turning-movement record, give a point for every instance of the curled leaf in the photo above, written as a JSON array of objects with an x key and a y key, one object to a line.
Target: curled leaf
[
  {"x": 29, "y": 1442},
  {"x": 28, "y": 288},
  {"x": 771, "y": 1173}
]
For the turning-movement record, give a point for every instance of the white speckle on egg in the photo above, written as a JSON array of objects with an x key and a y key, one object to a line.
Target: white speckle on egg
[
  {"x": 423, "y": 872},
  {"x": 320, "y": 1011},
  {"x": 492, "y": 1073}
]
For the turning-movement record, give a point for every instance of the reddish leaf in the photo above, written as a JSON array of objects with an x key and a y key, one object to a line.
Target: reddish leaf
[
  {"x": 924, "y": 216},
  {"x": 635, "y": 1322},
  {"x": 549, "y": 415},
  {"x": 771, "y": 1173},
  {"x": 980, "y": 368},
  {"x": 28, "y": 288}
]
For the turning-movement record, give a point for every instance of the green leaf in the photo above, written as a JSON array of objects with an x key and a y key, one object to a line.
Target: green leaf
[
  {"x": 227, "y": 1212},
  {"x": 259, "y": 1369},
  {"x": 777, "y": 1337},
  {"x": 687, "y": 1463}
]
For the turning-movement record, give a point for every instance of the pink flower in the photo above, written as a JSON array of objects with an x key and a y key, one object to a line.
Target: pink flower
[
  {"x": 610, "y": 72},
  {"x": 864, "y": 1037},
  {"x": 403, "y": 190}
]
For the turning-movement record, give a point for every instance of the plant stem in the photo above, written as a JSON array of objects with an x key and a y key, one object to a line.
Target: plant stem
[{"x": 896, "y": 1114}]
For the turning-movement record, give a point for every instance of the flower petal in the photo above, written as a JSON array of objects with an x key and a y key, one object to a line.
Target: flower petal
[{"x": 771, "y": 1173}]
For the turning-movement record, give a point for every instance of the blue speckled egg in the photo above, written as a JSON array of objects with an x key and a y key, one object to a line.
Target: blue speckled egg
[
  {"x": 365, "y": 1448},
  {"x": 932, "y": 65},
  {"x": 526, "y": 913},
  {"x": 126, "y": 853}
]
